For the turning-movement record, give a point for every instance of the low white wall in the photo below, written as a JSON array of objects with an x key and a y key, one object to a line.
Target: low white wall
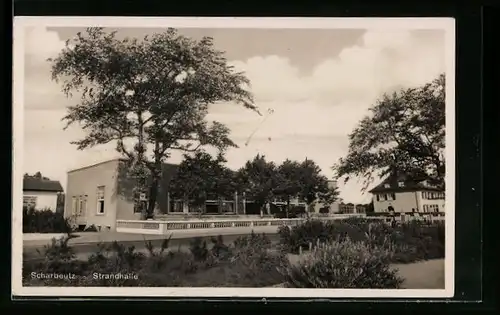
[
  {"x": 41, "y": 236},
  {"x": 164, "y": 227}
]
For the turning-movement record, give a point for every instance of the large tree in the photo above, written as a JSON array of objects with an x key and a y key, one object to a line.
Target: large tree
[
  {"x": 150, "y": 96},
  {"x": 289, "y": 175},
  {"x": 200, "y": 175},
  {"x": 314, "y": 186},
  {"x": 304, "y": 180},
  {"x": 258, "y": 178},
  {"x": 403, "y": 134}
]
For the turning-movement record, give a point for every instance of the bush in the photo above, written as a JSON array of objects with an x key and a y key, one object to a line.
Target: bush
[
  {"x": 248, "y": 262},
  {"x": 44, "y": 221},
  {"x": 409, "y": 242},
  {"x": 345, "y": 264}
]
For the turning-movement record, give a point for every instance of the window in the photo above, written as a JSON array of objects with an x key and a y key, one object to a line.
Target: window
[
  {"x": 387, "y": 186},
  {"x": 401, "y": 184},
  {"x": 140, "y": 202},
  {"x": 393, "y": 196},
  {"x": 426, "y": 208},
  {"x": 29, "y": 201},
  {"x": 100, "y": 200},
  {"x": 74, "y": 205},
  {"x": 378, "y": 197},
  {"x": 82, "y": 209}
]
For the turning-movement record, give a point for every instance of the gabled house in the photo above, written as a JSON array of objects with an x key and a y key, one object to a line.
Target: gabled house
[
  {"x": 402, "y": 194},
  {"x": 41, "y": 193}
]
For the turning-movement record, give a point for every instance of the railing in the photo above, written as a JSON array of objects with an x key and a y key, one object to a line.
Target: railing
[{"x": 161, "y": 227}]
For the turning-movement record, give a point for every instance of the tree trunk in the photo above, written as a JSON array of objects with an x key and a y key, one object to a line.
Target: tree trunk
[
  {"x": 287, "y": 206},
  {"x": 156, "y": 173},
  {"x": 153, "y": 194}
]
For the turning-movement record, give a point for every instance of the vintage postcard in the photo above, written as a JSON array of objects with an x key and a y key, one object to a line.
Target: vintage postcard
[{"x": 233, "y": 157}]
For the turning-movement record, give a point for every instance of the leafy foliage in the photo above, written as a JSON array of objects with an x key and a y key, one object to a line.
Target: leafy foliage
[
  {"x": 408, "y": 242},
  {"x": 201, "y": 175},
  {"x": 149, "y": 96},
  {"x": 248, "y": 262},
  {"x": 404, "y": 134},
  {"x": 37, "y": 175},
  {"x": 345, "y": 264},
  {"x": 44, "y": 221},
  {"x": 264, "y": 182},
  {"x": 258, "y": 178}
]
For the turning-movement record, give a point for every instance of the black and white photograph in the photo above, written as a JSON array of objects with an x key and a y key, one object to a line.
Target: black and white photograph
[{"x": 233, "y": 157}]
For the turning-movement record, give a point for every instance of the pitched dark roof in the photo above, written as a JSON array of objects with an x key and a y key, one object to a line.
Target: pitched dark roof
[
  {"x": 38, "y": 184},
  {"x": 409, "y": 185}
]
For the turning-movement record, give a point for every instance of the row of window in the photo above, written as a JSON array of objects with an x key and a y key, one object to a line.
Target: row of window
[
  {"x": 386, "y": 197},
  {"x": 432, "y": 195},
  {"x": 79, "y": 204},
  {"x": 428, "y": 195},
  {"x": 431, "y": 208},
  {"x": 29, "y": 201}
]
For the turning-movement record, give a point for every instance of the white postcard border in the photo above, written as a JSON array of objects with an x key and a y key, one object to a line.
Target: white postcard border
[{"x": 20, "y": 22}]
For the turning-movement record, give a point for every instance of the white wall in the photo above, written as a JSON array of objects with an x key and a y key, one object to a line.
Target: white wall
[
  {"x": 44, "y": 199},
  {"x": 439, "y": 202},
  {"x": 405, "y": 202}
]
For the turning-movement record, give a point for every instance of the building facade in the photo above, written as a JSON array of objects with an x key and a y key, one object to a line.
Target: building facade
[
  {"x": 41, "y": 194},
  {"x": 403, "y": 195},
  {"x": 102, "y": 193}
]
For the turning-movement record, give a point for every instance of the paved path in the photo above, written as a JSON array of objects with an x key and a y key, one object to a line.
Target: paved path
[
  {"x": 422, "y": 275},
  {"x": 108, "y": 237}
]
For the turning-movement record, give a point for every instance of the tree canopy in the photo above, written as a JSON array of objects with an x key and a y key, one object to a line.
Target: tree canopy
[
  {"x": 37, "y": 175},
  {"x": 403, "y": 134},
  {"x": 257, "y": 178},
  {"x": 149, "y": 96},
  {"x": 264, "y": 181},
  {"x": 199, "y": 176},
  {"x": 304, "y": 180}
]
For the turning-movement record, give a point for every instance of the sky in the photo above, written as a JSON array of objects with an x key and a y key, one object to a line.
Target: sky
[{"x": 319, "y": 84}]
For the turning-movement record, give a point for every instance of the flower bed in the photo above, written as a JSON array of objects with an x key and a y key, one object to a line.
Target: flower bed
[
  {"x": 407, "y": 242},
  {"x": 352, "y": 253},
  {"x": 248, "y": 262}
]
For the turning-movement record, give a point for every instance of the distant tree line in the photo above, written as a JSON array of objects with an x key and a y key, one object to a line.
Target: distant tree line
[{"x": 201, "y": 175}]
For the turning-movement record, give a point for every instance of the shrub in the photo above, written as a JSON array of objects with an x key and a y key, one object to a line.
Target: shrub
[
  {"x": 345, "y": 264},
  {"x": 408, "y": 242},
  {"x": 44, "y": 221},
  {"x": 292, "y": 238},
  {"x": 198, "y": 248},
  {"x": 253, "y": 240}
]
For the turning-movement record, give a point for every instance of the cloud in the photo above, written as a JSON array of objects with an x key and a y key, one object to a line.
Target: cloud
[
  {"x": 42, "y": 43},
  {"x": 40, "y": 91},
  {"x": 313, "y": 110},
  {"x": 381, "y": 61}
]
